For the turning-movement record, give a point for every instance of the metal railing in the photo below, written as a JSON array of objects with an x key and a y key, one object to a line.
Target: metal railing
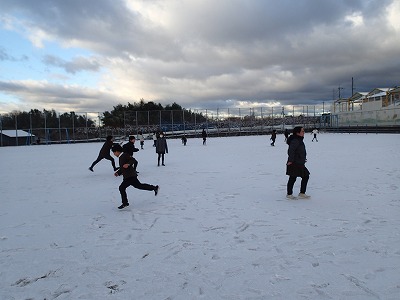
[{"x": 175, "y": 123}]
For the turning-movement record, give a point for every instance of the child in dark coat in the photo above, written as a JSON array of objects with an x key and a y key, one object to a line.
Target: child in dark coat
[
  {"x": 295, "y": 166},
  {"x": 273, "y": 137},
  {"x": 130, "y": 148},
  {"x": 105, "y": 153},
  {"x": 161, "y": 148},
  {"x": 129, "y": 174}
]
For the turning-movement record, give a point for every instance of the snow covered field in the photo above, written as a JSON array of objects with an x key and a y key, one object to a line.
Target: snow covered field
[{"x": 220, "y": 227}]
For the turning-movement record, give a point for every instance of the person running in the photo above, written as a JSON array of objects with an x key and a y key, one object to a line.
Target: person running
[
  {"x": 130, "y": 148},
  {"x": 105, "y": 153},
  {"x": 129, "y": 174},
  {"x": 314, "y": 132},
  {"x": 295, "y": 166},
  {"x": 273, "y": 137},
  {"x": 161, "y": 148},
  {"x": 204, "y": 136}
]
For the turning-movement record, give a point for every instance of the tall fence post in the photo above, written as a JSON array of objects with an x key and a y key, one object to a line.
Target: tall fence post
[
  {"x": 16, "y": 130},
  {"x": 1, "y": 132}
]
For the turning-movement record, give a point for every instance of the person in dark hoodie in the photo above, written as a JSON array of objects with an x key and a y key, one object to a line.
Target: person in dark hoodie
[
  {"x": 130, "y": 148},
  {"x": 129, "y": 174},
  {"x": 161, "y": 148},
  {"x": 105, "y": 153},
  {"x": 295, "y": 166}
]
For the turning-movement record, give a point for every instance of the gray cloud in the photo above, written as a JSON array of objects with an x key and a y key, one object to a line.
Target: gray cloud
[
  {"x": 6, "y": 56},
  {"x": 63, "y": 98},
  {"x": 76, "y": 65},
  {"x": 207, "y": 53}
]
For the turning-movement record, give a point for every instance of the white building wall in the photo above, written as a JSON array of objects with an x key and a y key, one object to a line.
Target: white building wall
[{"x": 379, "y": 117}]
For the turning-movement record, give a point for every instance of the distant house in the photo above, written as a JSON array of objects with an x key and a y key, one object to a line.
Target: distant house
[
  {"x": 16, "y": 138},
  {"x": 381, "y": 106}
]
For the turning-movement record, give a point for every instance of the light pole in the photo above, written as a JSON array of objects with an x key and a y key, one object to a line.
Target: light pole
[
  {"x": 73, "y": 125},
  {"x": 30, "y": 127}
]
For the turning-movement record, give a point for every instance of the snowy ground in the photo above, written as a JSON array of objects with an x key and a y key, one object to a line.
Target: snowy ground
[{"x": 220, "y": 228}]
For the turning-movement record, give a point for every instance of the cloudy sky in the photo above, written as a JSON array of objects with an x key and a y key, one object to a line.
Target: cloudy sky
[{"x": 87, "y": 56}]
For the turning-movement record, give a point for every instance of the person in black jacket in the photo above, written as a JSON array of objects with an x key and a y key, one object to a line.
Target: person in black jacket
[
  {"x": 295, "y": 166},
  {"x": 273, "y": 137},
  {"x": 161, "y": 148},
  {"x": 129, "y": 174},
  {"x": 204, "y": 135},
  {"x": 286, "y": 134},
  {"x": 130, "y": 148},
  {"x": 184, "y": 140},
  {"x": 105, "y": 153}
]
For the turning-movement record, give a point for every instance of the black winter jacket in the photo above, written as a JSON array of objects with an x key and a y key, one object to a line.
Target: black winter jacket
[
  {"x": 125, "y": 158},
  {"x": 105, "y": 149},
  {"x": 297, "y": 153},
  {"x": 161, "y": 145},
  {"x": 129, "y": 148}
]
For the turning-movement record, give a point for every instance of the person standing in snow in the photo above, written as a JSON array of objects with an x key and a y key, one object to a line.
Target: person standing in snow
[
  {"x": 204, "y": 136},
  {"x": 154, "y": 139},
  {"x": 161, "y": 148},
  {"x": 130, "y": 148},
  {"x": 286, "y": 134},
  {"x": 184, "y": 140},
  {"x": 141, "y": 139},
  {"x": 130, "y": 176},
  {"x": 295, "y": 166},
  {"x": 273, "y": 137},
  {"x": 314, "y": 132},
  {"x": 105, "y": 153}
]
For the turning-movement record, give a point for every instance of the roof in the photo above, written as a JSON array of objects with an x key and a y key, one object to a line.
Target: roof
[
  {"x": 14, "y": 133},
  {"x": 358, "y": 96},
  {"x": 395, "y": 89},
  {"x": 379, "y": 91}
]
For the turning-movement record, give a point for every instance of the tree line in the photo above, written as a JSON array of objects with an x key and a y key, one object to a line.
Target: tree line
[
  {"x": 118, "y": 117},
  {"x": 155, "y": 114},
  {"x": 43, "y": 119}
]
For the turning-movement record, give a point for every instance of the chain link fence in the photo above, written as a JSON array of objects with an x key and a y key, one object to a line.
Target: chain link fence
[{"x": 88, "y": 127}]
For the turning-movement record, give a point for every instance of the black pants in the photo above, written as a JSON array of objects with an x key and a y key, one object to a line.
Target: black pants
[
  {"x": 303, "y": 186},
  {"x": 135, "y": 163},
  {"x": 133, "y": 181},
  {"x": 160, "y": 155},
  {"x": 99, "y": 158}
]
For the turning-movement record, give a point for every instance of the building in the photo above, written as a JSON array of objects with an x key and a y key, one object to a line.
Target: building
[
  {"x": 16, "y": 138},
  {"x": 379, "y": 107}
]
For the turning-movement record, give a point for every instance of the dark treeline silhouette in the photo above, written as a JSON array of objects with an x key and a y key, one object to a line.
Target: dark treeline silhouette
[
  {"x": 42, "y": 119},
  {"x": 148, "y": 113},
  {"x": 121, "y": 116}
]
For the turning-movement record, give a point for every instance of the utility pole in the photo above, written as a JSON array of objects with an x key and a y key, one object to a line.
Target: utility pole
[{"x": 340, "y": 88}]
